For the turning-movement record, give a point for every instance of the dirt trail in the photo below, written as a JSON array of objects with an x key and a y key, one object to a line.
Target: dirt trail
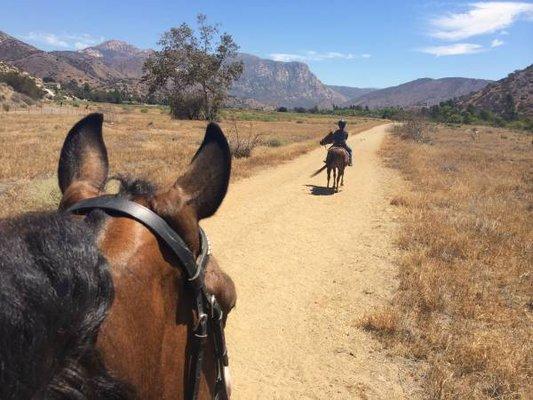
[{"x": 307, "y": 267}]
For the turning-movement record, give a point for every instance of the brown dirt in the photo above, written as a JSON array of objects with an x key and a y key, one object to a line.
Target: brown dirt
[{"x": 308, "y": 266}]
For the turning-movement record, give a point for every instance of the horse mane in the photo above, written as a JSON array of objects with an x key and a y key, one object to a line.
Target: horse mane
[{"x": 55, "y": 292}]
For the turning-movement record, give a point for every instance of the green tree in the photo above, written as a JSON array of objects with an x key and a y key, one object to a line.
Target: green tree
[{"x": 194, "y": 67}]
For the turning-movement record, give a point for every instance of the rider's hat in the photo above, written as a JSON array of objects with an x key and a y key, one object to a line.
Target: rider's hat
[{"x": 342, "y": 123}]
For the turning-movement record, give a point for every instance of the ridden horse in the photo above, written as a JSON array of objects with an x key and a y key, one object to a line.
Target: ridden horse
[
  {"x": 97, "y": 306},
  {"x": 336, "y": 160}
]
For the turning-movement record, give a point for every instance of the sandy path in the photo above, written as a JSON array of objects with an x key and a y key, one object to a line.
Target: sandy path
[{"x": 307, "y": 267}]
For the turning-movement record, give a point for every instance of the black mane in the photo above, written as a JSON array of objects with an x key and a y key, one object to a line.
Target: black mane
[
  {"x": 130, "y": 186},
  {"x": 55, "y": 291}
]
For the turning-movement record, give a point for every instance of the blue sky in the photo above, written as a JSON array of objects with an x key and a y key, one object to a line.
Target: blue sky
[{"x": 355, "y": 43}]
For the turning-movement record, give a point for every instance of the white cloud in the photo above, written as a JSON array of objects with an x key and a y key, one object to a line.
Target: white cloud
[
  {"x": 453, "y": 49},
  {"x": 496, "y": 43},
  {"x": 481, "y": 18},
  {"x": 63, "y": 41},
  {"x": 315, "y": 56}
]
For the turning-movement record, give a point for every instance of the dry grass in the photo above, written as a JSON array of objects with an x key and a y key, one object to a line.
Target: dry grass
[
  {"x": 142, "y": 141},
  {"x": 465, "y": 298}
]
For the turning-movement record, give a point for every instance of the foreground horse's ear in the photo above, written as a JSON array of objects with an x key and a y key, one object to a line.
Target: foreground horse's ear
[
  {"x": 84, "y": 155},
  {"x": 206, "y": 180}
]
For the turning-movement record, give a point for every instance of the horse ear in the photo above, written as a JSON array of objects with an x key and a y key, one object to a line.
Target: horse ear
[
  {"x": 84, "y": 155},
  {"x": 206, "y": 180}
]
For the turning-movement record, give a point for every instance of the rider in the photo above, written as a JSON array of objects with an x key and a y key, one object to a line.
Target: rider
[{"x": 340, "y": 136}]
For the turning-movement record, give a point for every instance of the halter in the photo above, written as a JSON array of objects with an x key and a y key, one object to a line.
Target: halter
[{"x": 207, "y": 310}]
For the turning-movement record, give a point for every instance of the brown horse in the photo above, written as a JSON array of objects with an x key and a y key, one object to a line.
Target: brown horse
[
  {"x": 336, "y": 160},
  {"x": 143, "y": 334}
]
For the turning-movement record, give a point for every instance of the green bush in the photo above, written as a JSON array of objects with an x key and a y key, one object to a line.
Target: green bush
[
  {"x": 187, "y": 105},
  {"x": 22, "y": 84}
]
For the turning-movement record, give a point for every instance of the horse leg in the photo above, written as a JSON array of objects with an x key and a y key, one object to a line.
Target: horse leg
[
  {"x": 335, "y": 186},
  {"x": 329, "y": 174},
  {"x": 342, "y": 178}
]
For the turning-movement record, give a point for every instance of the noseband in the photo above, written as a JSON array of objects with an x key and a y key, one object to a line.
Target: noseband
[{"x": 208, "y": 314}]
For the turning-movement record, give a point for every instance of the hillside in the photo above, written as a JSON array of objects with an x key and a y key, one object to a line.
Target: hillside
[
  {"x": 128, "y": 60},
  {"x": 276, "y": 83},
  {"x": 421, "y": 92},
  {"x": 63, "y": 66},
  {"x": 18, "y": 88},
  {"x": 264, "y": 84},
  {"x": 513, "y": 93},
  {"x": 352, "y": 93}
]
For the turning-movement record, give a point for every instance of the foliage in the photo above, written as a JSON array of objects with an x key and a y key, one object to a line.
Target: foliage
[
  {"x": 186, "y": 105},
  {"x": 194, "y": 66},
  {"x": 85, "y": 92},
  {"x": 282, "y": 109},
  {"x": 449, "y": 112},
  {"x": 22, "y": 84}
]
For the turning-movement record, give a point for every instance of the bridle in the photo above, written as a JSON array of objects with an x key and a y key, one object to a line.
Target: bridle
[{"x": 208, "y": 314}]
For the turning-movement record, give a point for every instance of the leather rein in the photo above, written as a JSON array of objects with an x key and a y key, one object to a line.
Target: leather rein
[{"x": 208, "y": 314}]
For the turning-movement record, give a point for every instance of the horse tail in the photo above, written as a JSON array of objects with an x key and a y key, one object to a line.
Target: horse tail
[{"x": 319, "y": 171}]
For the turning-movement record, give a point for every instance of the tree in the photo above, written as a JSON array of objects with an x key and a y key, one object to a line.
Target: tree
[{"x": 194, "y": 68}]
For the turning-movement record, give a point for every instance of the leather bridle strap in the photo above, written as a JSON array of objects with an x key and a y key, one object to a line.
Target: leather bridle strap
[{"x": 195, "y": 271}]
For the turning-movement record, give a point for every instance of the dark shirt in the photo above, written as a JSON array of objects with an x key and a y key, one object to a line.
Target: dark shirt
[{"x": 340, "y": 136}]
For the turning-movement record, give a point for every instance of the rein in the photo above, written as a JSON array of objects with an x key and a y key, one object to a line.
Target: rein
[{"x": 209, "y": 315}]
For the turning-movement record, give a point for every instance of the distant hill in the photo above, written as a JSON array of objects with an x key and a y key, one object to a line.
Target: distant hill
[
  {"x": 18, "y": 87},
  {"x": 64, "y": 66},
  {"x": 513, "y": 93},
  {"x": 420, "y": 92},
  {"x": 351, "y": 93},
  {"x": 276, "y": 83},
  {"x": 120, "y": 56},
  {"x": 116, "y": 64}
]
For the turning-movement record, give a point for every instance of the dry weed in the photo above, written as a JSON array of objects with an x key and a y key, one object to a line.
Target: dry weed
[
  {"x": 466, "y": 270},
  {"x": 142, "y": 141}
]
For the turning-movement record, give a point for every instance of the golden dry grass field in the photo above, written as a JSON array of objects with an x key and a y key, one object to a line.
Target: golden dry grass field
[
  {"x": 465, "y": 298},
  {"x": 143, "y": 142}
]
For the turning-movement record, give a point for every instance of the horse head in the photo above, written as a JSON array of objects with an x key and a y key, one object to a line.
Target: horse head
[
  {"x": 145, "y": 337},
  {"x": 327, "y": 139}
]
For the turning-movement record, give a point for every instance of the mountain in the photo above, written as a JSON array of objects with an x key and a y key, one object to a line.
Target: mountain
[
  {"x": 37, "y": 62},
  {"x": 120, "y": 56},
  {"x": 514, "y": 91},
  {"x": 277, "y": 83},
  {"x": 352, "y": 93},
  {"x": 14, "y": 49},
  {"x": 420, "y": 92},
  {"x": 264, "y": 83},
  {"x": 60, "y": 66}
]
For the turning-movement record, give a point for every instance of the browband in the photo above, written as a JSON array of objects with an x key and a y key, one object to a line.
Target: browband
[{"x": 156, "y": 224}]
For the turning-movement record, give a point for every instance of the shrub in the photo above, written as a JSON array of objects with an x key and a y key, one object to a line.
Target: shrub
[
  {"x": 22, "y": 84},
  {"x": 281, "y": 109},
  {"x": 186, "y": 106},
  {"x": 144, "y": 110},
  {"x": 413, "y": 129},
  {"x": 241, "y": 146},
  {"x": 5, "y": 107}
]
